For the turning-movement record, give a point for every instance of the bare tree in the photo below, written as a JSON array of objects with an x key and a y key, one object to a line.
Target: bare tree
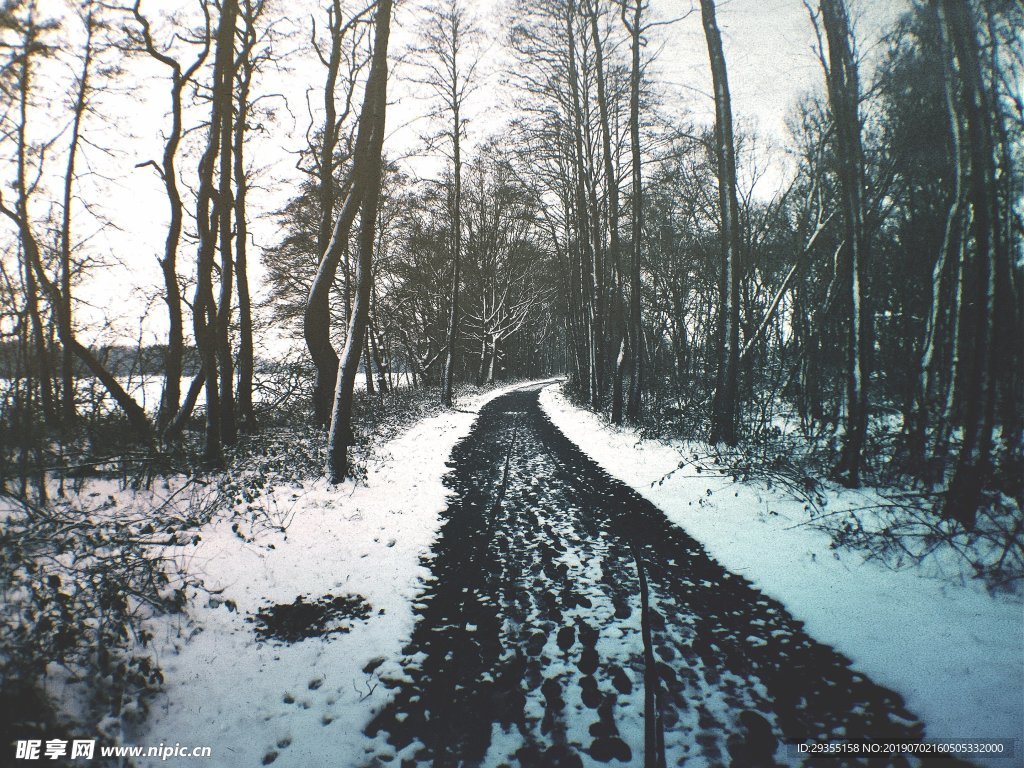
[
  {"x": 29, "y": 45},
  {"x": 617, "y": 319},
  {"x": 979, "y": 309},
  {"x": 724, "y": 409},
  {"x": 211, "y": 213},
  {"x": 82, "y": 90},
  {"x": 447, "y": 40},
  {"x": 248, "y": 61},
  {"x": 633, "y": 19},
  {"x": 366, "y": 184},
  {"x": 332, "y": 241},
  {"x": 181, "y": 77},
  {"x": 32, "y": 46},
  {"x": 844, "y": 99}
]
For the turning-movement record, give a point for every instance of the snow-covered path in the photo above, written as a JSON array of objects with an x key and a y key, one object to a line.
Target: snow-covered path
[{"x": 547, "y": 579}]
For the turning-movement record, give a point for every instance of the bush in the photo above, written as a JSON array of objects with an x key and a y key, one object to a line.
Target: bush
[{"x": 78, "y": 585}]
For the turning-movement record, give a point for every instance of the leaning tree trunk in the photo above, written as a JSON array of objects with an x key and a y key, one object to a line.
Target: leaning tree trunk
[
  {"x": 136, "y": 416},
  {"x": 366, "y": 177}
]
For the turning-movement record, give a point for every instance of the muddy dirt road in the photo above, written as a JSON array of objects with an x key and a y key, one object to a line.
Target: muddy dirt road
[{"x": 568, "y": 623}]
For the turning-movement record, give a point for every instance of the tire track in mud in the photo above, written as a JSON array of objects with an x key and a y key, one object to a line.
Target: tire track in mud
[{"x": 529, "y": 646}]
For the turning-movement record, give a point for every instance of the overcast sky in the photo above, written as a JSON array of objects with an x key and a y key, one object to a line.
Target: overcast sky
[{"x": 768, "y": 47}]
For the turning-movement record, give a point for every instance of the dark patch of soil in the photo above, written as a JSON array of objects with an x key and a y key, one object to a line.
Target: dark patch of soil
[{"x": 291, "y": 622}]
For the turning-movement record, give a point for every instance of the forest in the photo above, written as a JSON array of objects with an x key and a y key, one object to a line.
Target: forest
[{"x": 357, "y": 214}]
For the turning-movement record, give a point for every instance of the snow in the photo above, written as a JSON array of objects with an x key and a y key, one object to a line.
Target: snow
[
  {"x": 955, "y": 652},
  {"x": 304, "y": 704}
]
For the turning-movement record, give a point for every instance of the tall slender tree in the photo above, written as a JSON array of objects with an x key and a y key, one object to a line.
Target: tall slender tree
[
  {"x": 332, "y": 240},
  {"x": 447, "y": 65},
  {"x": 181, "y": 77},
  {"x": 251, "y": 11},
  {"x": 979, "y": 309},
  {"x": 617, "y": 318},
  {"x": 724, "y": 409},
  {"x": 366, "y": 184},
  {"x": 633, "y": 18},
  {"x": 211, "y": 214},
  {"x": 844, "y": 102},
  {"x": 80, "y": 103}
]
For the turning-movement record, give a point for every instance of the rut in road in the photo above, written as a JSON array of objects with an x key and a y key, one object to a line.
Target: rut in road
[{"x": 529, "y": 644}]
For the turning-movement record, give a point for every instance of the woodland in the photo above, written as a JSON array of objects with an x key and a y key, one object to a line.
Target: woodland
[{"x": 854, "y": 318}]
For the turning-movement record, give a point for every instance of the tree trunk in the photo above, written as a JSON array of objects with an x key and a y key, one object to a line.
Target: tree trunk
[
  {"x": 494, "y": 358},
  {"x": 923, "y": 406},
  {"x": 612, "y": 189},
  {"x": 382, "y": 378},
  {"x": 366, "y": 176},
  {"x": 175, "y": 354},
  {"x": 68, "y": 411},
  {"x": 246, "y": 362},
  {"x": 205, "y": 317},
  {"x": 636, "y": 377},
  {"x": 453, "y": 313},
  {"x": 224, "y": 207},
  {"x": 724, "y": 409},
  {"x": 588, "y": 281},
  {"x": 844, "y": 97},
  {"x": 317, "y": 321},
  {"x": 977, "y": 327}
]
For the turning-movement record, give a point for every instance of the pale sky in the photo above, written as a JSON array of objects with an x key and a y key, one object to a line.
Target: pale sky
[{"x": 769, "y": 52}]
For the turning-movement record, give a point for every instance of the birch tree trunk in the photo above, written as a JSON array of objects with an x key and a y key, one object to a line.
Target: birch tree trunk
[{"x": 453, "y": 312}]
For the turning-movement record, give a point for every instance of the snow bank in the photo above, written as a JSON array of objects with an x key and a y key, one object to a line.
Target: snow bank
[
  {"x": 953, "y": 651},
  {"x": 305, "y": 704}
]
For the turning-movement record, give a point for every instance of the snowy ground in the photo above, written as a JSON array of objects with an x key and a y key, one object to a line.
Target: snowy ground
[
  {"x": 952, "y": 650},
  {"x": 304, "y": 704}
]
